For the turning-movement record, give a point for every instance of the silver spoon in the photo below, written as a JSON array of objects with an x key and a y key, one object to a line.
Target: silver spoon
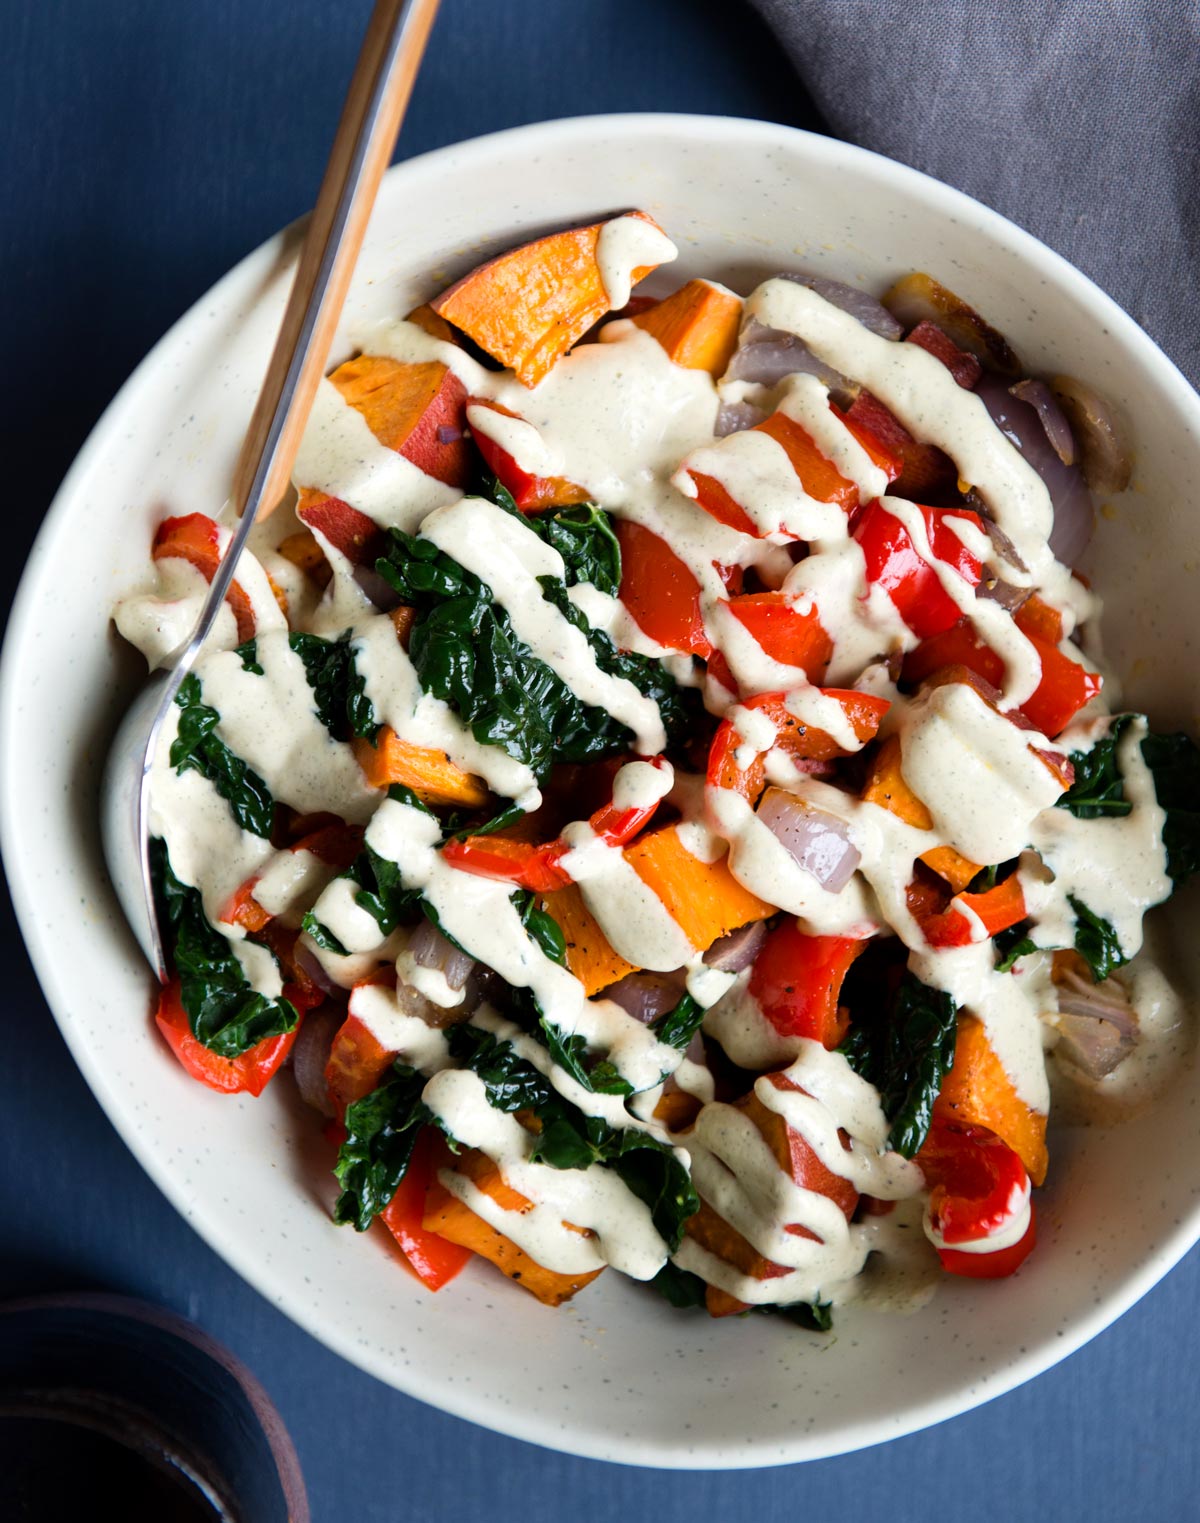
[{"x": 376, "y": 101}]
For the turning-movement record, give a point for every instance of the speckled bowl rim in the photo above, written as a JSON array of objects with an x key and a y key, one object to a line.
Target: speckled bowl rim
[{"x": 465, "y": 158}]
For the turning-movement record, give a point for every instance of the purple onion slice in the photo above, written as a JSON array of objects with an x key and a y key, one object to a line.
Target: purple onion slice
[{"x": 817, "y": 840}]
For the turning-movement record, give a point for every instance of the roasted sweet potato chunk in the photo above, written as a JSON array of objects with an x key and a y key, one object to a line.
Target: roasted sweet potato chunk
[{"x": 527, "y": 307}]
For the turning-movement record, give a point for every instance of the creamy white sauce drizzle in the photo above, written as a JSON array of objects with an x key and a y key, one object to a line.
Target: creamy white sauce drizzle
[
  {"x": 271, "y": 722},
  {"x": 627, "y": 244}
]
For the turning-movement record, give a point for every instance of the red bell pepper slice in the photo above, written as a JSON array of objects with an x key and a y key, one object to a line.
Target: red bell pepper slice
[
  {"x": 786, "y": 634},
  {"x": 660, "y": 591},
  {"x": 880, "y": 445},
  {"x": 529, "y": 864},
  {"x": 818, "y": 476},
  {"x": 894, "y": 564},
  {"x": 807, "y": 746},
  {"x": 434, "y": 1259},
  {"x": 796, "y": 980},
  {"x": 538, "y": 866},
  {"x": 530, "y": 493},
  {"x": 924, "y": 471},
  {"x": 1064, "y": 688},
  {"x": 997, "y": 908},
  {"x": 978, "y": 1184},
  {"x": 248, "y": 1074},
  {"x": 717, "y": 503},
  {"x": 964, "y": 367},
  {"x": 195, "y": 538}
]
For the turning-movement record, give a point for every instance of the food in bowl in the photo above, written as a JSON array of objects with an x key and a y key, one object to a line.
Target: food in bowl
[{"x": 661, "y": 795}]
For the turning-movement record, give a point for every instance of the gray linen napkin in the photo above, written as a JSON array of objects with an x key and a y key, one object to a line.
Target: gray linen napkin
[{"x": 1077, "y": 119}]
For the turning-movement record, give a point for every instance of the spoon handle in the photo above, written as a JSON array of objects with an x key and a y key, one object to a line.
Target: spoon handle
[{"x": 379, "y": 93}]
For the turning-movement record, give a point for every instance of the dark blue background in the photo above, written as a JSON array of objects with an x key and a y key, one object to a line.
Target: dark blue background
[{"x": 145, "y": 146}]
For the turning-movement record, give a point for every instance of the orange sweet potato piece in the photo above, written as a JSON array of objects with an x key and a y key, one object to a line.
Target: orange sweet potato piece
[
  {"x": 979, "y": 1092},
  {"x": 527, "y": 307},
  {"x": 697, "y": 326},
  {"x": 359, "y": 538},
  {"x": 306, "y": 555},
  {"x": 430, "y": 773},
  {"x": 676, "y": 1109},
  {"x": 427, "y": 319},
  {"x": 703, "y": 897},
  {"x": 446, "y": 1215},
  {"x": 589, "y": 956},
  {"x": 887, "y": 788},
  {"x": 418, "y": 410}
]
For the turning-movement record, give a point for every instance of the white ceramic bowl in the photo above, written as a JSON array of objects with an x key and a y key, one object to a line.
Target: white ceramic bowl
[{"x": 618, "y": 1375}]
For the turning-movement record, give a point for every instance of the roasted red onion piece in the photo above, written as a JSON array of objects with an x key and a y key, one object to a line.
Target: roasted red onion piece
[
  {"x": 1102, "y": 452},
  {"x": 1073, "y": 510},
  {"x": 918, "y": 298},
  {"x": 310, "y": 1053},
  {"x": 1097, "y": 1025},
  {"x": 964, "y": 367},
  {"x": 869, "y": 311},
  {"x": 646, "y": 996},
  {"x": 1054, "y": 420},
  {"x": 310, "y": 965},
  {"x": 997, "y": 590},
  {"x": 767, "y": 356},
  {"x": 735, "y": 417},
  {"x": 818, "y": 841},
  {"x": 428, "y": 948},
  {"x": 384, "y": 597},
  {"x": 995, "y": 533},
  {"x": 737, "y": 950}
]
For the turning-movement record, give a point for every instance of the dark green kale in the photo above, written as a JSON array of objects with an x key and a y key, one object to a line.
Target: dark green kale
[
  {"x": 381, "y": 1132},
  {"x": 249, "y": 658},
  {"x": 584, "y": 537},
  {"x": 680, "y": 1287},
  {"x": 905, "y": 1050},
  {"x": 224, "y": 1012},
  {"x": 570, "y": 1140},
  {"x": 1012, "y": 945},
  {"x": 196, "y": 748},
  {"x": 1174, "y": 762},
  {"x": 814, "y": 1316},
  {"x": 465, "y": 652},
  {"x": 677, "y": 1027},
  {"x": 1096, "y": 941},
  {"x": 1099, "y": 789},
  {"x": 339, "y": 691},
  {"x": 541, "y": 925}
]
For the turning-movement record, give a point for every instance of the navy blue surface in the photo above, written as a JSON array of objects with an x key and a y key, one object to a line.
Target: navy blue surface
[{"x": 146, "y": 145}]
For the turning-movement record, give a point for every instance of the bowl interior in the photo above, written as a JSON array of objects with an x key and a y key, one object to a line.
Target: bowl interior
[{"x": 617, "y": 1375}]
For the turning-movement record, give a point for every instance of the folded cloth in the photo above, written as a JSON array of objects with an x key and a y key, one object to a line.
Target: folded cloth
[{"x": 1077, "y": 119}]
